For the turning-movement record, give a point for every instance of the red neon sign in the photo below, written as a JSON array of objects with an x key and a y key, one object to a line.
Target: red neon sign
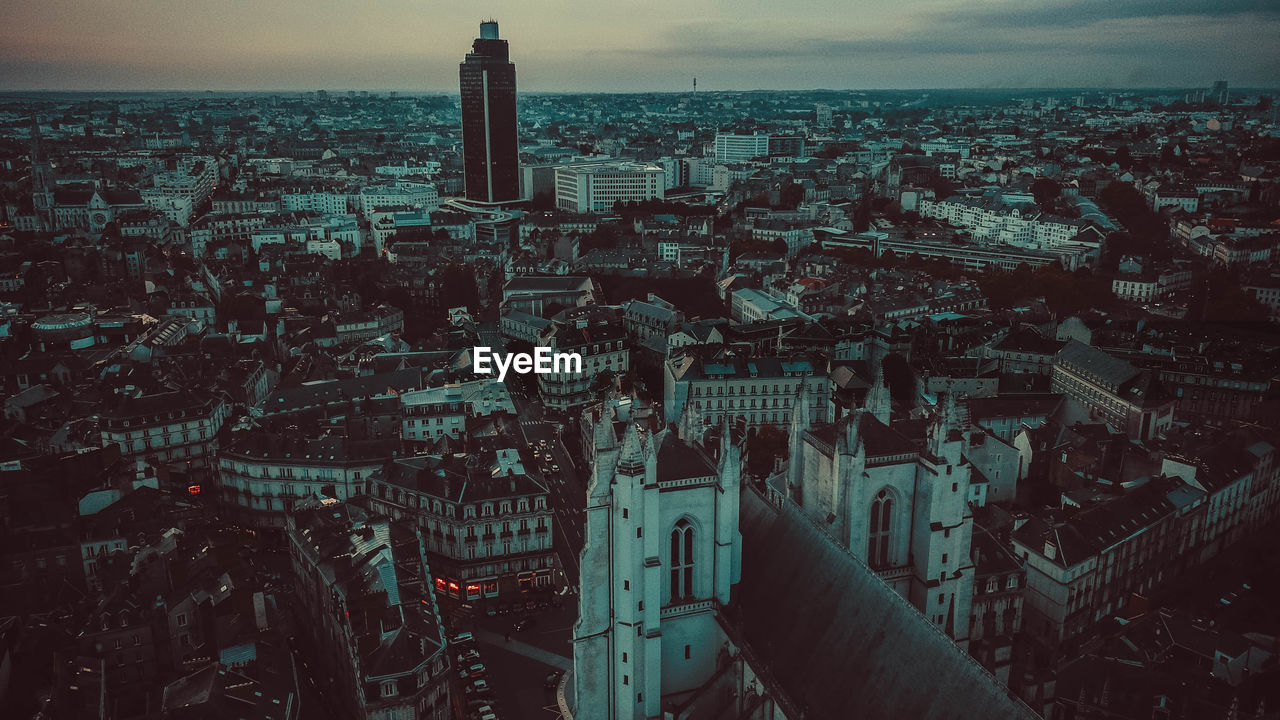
[{"x": 193, "y": 489}]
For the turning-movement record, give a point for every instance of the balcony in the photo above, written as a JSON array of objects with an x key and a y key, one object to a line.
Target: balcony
[
  {"x": 685, "y": 608},
  {"x": 894, "y": 573}
]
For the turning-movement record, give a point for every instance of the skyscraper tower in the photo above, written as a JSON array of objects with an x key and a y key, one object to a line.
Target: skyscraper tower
[{"x": 487, "y": 80}]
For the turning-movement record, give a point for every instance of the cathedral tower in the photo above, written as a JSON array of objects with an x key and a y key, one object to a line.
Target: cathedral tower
[{"x": 662, "y": 552}]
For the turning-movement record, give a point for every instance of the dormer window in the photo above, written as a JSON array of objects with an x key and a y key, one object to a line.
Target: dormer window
[{"x": 389, "y": 689}]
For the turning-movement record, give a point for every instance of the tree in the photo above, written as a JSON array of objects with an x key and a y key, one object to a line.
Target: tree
[
  {"x": 1045, "y": 191},
  {"x": 779, "y": 246},
  {"x": 900, "y": 379},
  {"x": 791, "y": 196},
  {"x": 764, "y": 448},
  {"x": 1122, "y": 157},
  {"x": 1126, "y": 204},
  {"x": 604, "y": 236}
]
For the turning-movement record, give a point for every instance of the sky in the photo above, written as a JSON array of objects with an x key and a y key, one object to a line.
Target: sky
[{"x": 639, "y": 45}]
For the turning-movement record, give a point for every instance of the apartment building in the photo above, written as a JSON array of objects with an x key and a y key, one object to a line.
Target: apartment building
[
  {"x": 759, "y": 390},
  {"x": 367, "y": 594},
  {"x": 1131, "y": 400},
  {"x": 263, "y": 474},
  {"x": 991, "y": 220},
  {"x": 484, "y": 517},
  {"x": 166, "y": 427},
  {"x": 598, "y": 336},
  {"x": 437, "y": 412}
]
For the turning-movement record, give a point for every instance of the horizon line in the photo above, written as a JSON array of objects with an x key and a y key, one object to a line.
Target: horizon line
[{"x": 272, "y": 91}]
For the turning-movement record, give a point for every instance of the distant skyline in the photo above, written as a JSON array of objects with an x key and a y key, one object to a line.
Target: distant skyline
[{"x": 659, "y": 45}]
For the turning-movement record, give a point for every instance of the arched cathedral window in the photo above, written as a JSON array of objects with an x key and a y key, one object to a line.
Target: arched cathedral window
[
  {"x": 881, "y": 526},
  {"x": 682, "y": 561}
]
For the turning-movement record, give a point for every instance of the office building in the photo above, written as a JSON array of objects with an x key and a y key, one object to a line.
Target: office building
[
  {"x": 596, "y": 187},
  {"x": 487, "y": 80},
  {"x": 741, "y": 148}
]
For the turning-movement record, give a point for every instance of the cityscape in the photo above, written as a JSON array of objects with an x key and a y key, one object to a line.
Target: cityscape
[{"x": 702, "y": 403}]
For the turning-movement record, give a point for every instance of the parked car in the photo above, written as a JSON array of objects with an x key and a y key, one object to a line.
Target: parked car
[
  {"x": 464, "y": 638},
  {"x": 478, "y": 687}
]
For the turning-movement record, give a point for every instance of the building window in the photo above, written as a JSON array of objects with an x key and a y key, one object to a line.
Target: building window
[
  {"x": 681, "y": 561},
  {"x": 389, "y": 689},
  {"x": 881, "y": 526}
]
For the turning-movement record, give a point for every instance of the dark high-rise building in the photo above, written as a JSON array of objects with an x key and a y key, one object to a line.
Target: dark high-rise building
[{"x": 487, "y": 79}]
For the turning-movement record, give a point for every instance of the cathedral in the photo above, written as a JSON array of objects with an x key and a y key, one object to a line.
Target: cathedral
[
  {"x": 662, "y": 551},
  {"x": 704, "y": 595},
  {"x": 897, "y": 502}
]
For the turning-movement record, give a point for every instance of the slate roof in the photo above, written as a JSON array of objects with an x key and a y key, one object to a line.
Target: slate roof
[
  {"x": 1014, "y": 406},
  {"x": 467, "y": 478},
  {"x": 1096, "y": 528},
  {"x": 1096, "y": 364},
  {"x": 878, "y": 438},
  {"x": 678, "y": 460},
  {"x": 838, "y": 641},
  {"x": 320, "y": 394}
]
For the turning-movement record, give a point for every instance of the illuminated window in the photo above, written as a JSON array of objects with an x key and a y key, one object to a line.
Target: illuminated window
[
  {"x": 682, "y": 561},
  {"x": 881, "y": 525}
]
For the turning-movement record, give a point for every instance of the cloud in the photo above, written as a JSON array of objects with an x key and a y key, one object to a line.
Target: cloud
[
  {"x": 277, "y": 44},
  {"x": 1080, "y": 13}
]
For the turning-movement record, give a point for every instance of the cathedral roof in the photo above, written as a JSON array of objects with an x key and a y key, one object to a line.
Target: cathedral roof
[
  {"x": 837, "y": 641},
  {"x": 878, "y": 439},
  {"x": 678, "y": 460}
]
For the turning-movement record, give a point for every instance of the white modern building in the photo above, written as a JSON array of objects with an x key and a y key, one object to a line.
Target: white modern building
[
  {"x": 990, "y": 220},
  {"x": 400, "y": 194},
  {"x": 334, "y": 202},
  {"x": 740, "y": 148},
  {"x": 596, "y": 187}
]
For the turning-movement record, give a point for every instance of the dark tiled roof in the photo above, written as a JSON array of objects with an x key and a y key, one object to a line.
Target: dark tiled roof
[
  {"x": 878, "y": 438},
  {"x": 840, "y": 642},
  {"x": 1095, "y": 364},
  {"x": 1004, "y": 406},
  {"x": 678, "y": 460}
]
